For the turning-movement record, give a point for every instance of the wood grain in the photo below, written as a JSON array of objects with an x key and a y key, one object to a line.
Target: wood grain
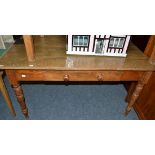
[
  {"x": 145, "y": 104},
  {"x": 52, "y": 64},
  {"x": 139, "y": 87},
  {"x": 50, "y": 54},
  {"x": 150, "y": 46},
  {"x": 28, "y": 41},
  {"x": 18, "y": 91},
  {"x": 48, "y": 75}
]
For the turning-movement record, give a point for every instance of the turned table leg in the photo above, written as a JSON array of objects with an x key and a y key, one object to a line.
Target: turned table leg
[
  {"x": 20, "y": 97},
  {"x": 18, "y": 91},
  {"x": 130, "y": 91},
  {"x": 137, "y": 91}
]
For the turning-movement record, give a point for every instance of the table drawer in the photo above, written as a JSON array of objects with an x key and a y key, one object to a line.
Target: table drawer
[{"x": 48, "y": 75}]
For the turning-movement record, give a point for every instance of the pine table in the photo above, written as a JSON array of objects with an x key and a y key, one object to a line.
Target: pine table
[{"x": 47, "y": 61}]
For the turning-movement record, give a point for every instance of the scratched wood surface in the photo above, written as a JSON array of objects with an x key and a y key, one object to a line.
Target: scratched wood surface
[{"x": 50, "y": 54}]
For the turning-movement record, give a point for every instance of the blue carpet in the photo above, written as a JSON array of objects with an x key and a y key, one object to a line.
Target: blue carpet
[{"x": 71, "y": 102}]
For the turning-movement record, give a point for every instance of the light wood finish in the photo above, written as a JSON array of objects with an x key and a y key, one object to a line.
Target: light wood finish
[
  {"x": 6, "y": 95},
  {"x": 28, "y": 41},
  {"x": 18, "y": 91},
  {"x": 52, "y": 64},
  {"x": 150, "y": 49},
  {"x": 50, "y": 53}
]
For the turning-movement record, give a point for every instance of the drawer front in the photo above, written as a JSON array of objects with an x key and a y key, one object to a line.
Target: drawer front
[{"x": 47, "y": 75}]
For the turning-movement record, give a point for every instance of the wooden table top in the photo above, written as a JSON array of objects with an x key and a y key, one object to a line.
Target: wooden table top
[{"x": 50, "y": 53}]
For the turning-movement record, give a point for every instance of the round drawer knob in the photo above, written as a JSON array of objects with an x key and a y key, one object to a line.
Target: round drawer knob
[
  {"x": 100, "y": 77},
  {"x": 66, "y": 77}
]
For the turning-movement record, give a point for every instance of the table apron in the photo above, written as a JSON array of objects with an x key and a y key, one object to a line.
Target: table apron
[{"x": 59, "y": 75}]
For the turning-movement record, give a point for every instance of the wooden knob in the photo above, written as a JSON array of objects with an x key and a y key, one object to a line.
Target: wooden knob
[
  {"x": 100, "y": 77},
  {"x": 66, "y": 77}
]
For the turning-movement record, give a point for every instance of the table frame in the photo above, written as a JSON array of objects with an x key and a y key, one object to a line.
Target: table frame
[{"x": 15, "y": 76}]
